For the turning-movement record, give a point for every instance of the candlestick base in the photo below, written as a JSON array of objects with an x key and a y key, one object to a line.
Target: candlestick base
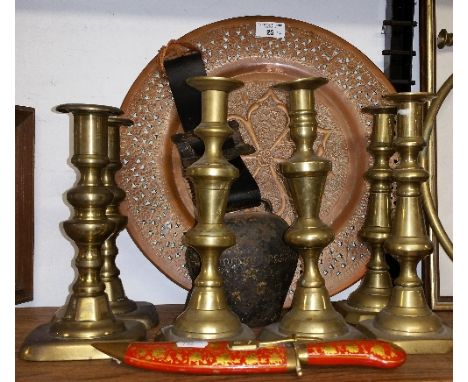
[
  {"x": 312, "y": 315},
  {"x": 145, "y": 313},
  {"x": 273, "y": 332},
  {"x": 354, "y": 315},
  {"x": 412, "y": 343},
  {"x": 41, "y": 345},
  {"x": 167, "y": 334}
]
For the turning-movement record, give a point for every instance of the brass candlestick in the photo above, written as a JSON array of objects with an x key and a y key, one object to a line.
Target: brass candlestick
[
  {"x": 207, "y": 315},
  {"x": 311, "y": 314},
  {"x": 407, "y": 320},
  {"x": 87, "y": 316},
  {"x": 121, "y": 305},
  {"x": 376, "y": 286}
]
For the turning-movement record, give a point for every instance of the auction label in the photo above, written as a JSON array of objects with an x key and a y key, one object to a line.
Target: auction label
[{"x": 270, "y": 29}]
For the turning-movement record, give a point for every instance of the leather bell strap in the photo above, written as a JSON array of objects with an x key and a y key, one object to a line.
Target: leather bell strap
[{"x": 245, "y": 192}]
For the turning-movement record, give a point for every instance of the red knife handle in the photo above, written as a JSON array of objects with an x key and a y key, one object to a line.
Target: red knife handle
[
  {"x": 372, "y": 353},
  {"x": 214, "y": 358}
]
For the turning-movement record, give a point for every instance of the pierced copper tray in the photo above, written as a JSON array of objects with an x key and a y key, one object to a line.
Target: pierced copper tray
[{"x": 158, "y": 203}]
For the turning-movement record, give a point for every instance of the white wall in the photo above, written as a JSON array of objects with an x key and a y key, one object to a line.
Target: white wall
[{"x": 91, "y": 52}]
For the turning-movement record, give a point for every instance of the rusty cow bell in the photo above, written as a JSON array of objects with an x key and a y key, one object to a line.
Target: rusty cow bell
[{"x": 258, "y": 270}]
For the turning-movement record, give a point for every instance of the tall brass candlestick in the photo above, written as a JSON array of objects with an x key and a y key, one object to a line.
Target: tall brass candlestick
[
  {"x": 375, "y": 289},
  {"x": 121, "y": 305},
  {"x": 311, "y": 314},
  {"x": 207, "y": 315},
  {"x": 87, "y": 317},
  {"x": 407, "y": 320}
]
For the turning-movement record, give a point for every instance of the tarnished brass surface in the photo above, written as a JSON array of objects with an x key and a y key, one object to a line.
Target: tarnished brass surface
[
  {"x": 311, "y": 314},
  {"x": 444, "y": 39},
  {"x": 407, "y": 319},
  {"x": 121, "y": 305},
  {"x": 41, "y": 345},
  {"x": 374, "y": 291},
  {"x": 87, "y": 316},
  {"x": 207, "y": 315}
]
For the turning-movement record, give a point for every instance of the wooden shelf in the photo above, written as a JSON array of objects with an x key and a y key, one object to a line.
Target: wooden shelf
[{"x": 416, "y": 368}]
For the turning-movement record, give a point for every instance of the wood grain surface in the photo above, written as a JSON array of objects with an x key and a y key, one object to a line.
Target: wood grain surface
[{"x": 416, "y": 368}]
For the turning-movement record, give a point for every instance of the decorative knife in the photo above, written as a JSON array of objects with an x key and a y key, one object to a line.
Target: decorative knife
[{"x": 222, "y": 357}]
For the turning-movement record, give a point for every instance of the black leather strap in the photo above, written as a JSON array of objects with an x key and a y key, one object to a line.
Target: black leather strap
[
  {"x": 245, "y": 192},
  {"x": 187, "y": 99}
]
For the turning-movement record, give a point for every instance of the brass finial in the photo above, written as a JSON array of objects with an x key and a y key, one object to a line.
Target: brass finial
[
  {"x": 121, "y": 305},
  {"x": 87, "y": 316},
  {"x": 374, "y": 291},
  {"x": 311, "y": 314},
  {"x": 407, "y": 319},
  {"x": 207, "y": 315}
]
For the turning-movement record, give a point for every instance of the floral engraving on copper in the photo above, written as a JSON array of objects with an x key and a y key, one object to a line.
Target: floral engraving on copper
[{"x": 269, "y": 153}]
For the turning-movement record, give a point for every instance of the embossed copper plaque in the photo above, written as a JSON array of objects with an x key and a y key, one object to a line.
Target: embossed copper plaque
[{"x": 159, "y": 205}]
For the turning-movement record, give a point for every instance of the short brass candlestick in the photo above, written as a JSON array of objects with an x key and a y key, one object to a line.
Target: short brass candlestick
[
  {"x": 207, "y": 315},
  {"x": 311, "y": 314},
  {"x": 407, "y": 320},
  {"x": 121, "y": 305},
  {"x": 87, "y": 317},
  {"x": 376, "y": 286}
]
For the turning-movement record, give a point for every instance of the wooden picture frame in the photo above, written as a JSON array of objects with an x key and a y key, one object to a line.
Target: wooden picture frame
[
  {"x": 24, "y": 202},
  {"x": 428, "y": 83},
  {"x": 431, "y": 277}
]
